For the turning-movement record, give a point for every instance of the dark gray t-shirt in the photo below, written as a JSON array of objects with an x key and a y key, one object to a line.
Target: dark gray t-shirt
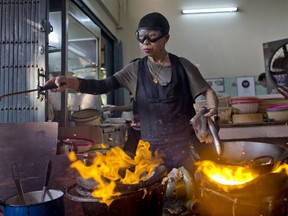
[{"x": 127, "y": 77}]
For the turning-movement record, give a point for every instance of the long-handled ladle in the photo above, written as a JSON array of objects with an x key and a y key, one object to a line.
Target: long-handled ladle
[
  {"x": 16, "y": 177},
  {"x": 46, "y": 180},
  {"x": 215, "y": 136}
]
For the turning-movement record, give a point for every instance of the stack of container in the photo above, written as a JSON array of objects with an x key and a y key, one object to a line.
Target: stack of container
[{"x": 245, "y": 109}]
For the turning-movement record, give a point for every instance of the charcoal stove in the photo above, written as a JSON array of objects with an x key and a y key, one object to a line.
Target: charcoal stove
[
  {"x": 266, "y": 195},
  {"x": 144, "y": 199}
]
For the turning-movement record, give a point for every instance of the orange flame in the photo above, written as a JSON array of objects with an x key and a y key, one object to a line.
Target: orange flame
[
  {"x": 281, "y": 168},
  {"x": 105, "y": 169},
  {"x": 227, "y": 175}
]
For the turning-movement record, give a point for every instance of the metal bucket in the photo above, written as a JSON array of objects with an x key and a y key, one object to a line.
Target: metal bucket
[{"x": 53, "y": 204}]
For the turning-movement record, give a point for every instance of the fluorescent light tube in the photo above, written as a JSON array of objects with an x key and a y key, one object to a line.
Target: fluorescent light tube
[{"x": 210, "y": 10}]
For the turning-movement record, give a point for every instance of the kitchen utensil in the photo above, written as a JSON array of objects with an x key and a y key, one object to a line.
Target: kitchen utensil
[
  {"x": 47, "y": 177},
  {"x": 40, "y": 89},
  {"x": 215, "y": 136},
  {"x": 257, "y": 155},
  {"x": 54, "y": 205},
  {"x": 16, "y": 177}
]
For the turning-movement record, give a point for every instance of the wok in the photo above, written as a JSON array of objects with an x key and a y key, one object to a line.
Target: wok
[{"x": 261, "y": 156}]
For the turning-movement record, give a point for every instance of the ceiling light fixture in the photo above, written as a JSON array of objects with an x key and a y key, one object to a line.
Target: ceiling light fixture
[{"x": 209, "y": 10}]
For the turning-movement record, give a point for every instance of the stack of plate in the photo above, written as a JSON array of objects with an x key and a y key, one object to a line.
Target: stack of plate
[{"x": 277, "y": 112}]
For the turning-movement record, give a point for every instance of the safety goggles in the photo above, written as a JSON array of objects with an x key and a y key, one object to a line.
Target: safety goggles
[{"x": 151, "y": 35}]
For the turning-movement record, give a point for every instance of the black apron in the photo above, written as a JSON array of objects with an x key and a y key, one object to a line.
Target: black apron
[{"x": 165, "y": 112}]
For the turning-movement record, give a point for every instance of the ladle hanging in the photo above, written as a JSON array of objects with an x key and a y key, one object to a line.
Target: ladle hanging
[
  {"x": 16, "y": 177},
  {"x": 46, "y": 180}
]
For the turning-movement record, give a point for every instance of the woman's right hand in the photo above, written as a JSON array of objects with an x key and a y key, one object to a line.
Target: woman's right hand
[
  {"x": 60, "y": 81},
  {"x": 112, "y": 109},
  {"x": 63, "y": 82}
]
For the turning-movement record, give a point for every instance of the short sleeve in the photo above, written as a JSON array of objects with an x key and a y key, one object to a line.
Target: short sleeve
[{"x": 197, "y": 83}]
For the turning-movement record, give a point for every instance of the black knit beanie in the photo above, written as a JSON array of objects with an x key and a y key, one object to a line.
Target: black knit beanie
[{"x": 154, "y": 21}]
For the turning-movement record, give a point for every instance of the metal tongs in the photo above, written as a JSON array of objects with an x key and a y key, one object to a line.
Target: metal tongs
[
  {"x": 215, "y": 136},
  {"x": 39, "y": 88}
]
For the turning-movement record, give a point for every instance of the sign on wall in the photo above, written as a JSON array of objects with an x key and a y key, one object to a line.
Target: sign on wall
[
  {"x": 217, "y": 84},
  {"x": 246, "y": 86}
]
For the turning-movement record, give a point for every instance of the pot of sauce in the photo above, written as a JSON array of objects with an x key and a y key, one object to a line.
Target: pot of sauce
[{"x": 53, "y": 204}]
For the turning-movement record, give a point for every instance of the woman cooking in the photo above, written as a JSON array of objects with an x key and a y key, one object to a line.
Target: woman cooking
[{"x": 164, "y": 87}]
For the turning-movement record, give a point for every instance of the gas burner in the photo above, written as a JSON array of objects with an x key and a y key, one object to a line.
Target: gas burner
[
  {"x": 144, "y": 198},
  {"x": 265, "y": 195}
]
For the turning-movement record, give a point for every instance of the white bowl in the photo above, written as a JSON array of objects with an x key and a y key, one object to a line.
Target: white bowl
[
  {"x": 245, "y": 107},
  {"x": 278, "y": 115},
  {"x": 244, "y": 99}
]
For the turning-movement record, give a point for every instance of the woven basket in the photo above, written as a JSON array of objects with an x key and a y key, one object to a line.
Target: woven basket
[{"x": 87, "y": 117}]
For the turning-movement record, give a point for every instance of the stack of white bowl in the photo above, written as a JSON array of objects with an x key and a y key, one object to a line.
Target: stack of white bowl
[
  {"x": 277, "y": 112},
  {"x": 243, "y": 104},
  {"x": 245, "y": 109}
]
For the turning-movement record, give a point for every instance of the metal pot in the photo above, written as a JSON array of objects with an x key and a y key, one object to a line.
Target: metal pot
[{"x": 53, "y": 204}]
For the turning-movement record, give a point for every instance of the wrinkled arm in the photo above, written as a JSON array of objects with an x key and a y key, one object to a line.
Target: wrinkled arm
[
  {"x": 199, "y": 121},
  {"x": 212, "y": 102}
]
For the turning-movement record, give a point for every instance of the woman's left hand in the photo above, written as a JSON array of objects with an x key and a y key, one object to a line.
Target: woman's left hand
[
  {"x": 211, "y": 112},
  {"x": 200, "y": 126}
]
